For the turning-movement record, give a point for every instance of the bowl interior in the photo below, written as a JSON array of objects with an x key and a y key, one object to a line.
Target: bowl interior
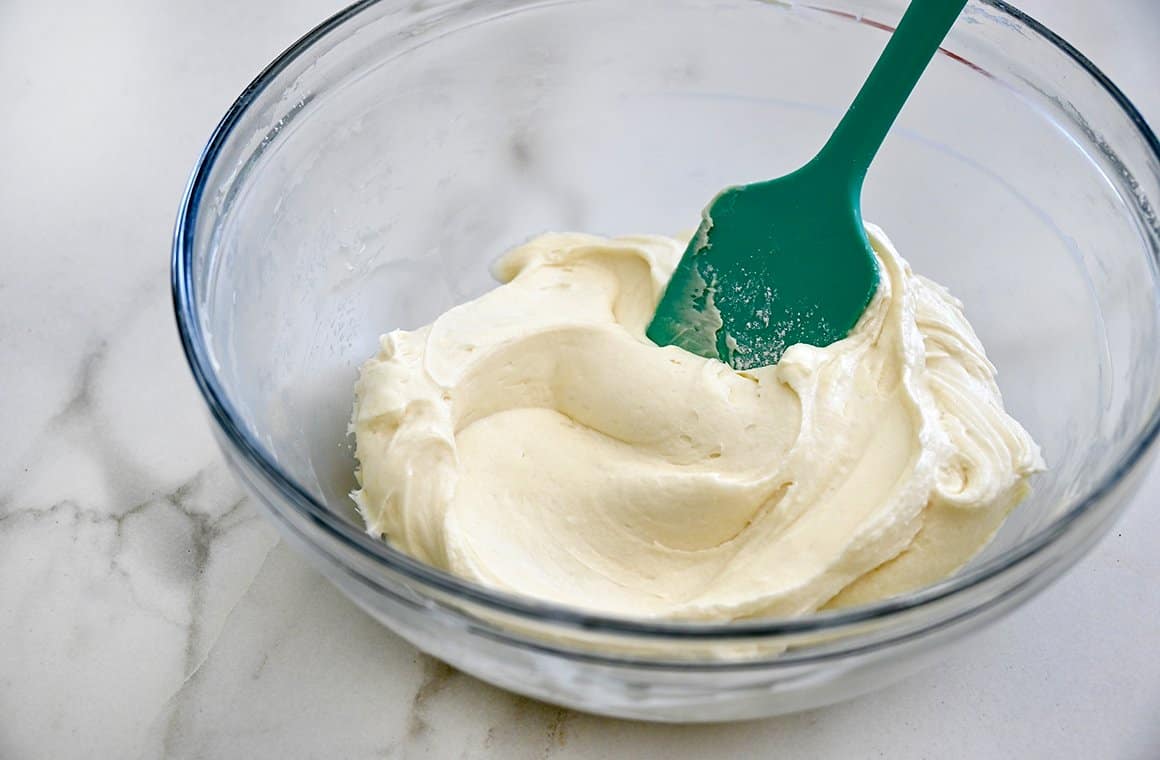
[{"x": 373, "y": 181}]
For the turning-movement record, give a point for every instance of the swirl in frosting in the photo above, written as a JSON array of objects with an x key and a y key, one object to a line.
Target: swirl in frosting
[{"x": 535, "y": 441}]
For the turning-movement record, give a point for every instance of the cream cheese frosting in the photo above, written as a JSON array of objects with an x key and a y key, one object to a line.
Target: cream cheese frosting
[{"x": 534, "y": 440}]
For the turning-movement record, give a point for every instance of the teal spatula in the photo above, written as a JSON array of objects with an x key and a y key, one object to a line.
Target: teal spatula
[{"x": 787, "y": 261}]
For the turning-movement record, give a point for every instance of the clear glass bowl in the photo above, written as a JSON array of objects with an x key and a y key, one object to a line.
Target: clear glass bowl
[{"x": 369, "y": 176}]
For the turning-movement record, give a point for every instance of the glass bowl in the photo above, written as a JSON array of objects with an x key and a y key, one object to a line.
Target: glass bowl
[{"x": 369, "y": 176}]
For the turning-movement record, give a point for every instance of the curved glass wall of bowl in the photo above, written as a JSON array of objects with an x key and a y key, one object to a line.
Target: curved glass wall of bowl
[{"x": 367, "y": 181}]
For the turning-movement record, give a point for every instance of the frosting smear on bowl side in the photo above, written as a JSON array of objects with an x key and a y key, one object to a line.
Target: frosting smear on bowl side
[{"x": 534, "y": 440}]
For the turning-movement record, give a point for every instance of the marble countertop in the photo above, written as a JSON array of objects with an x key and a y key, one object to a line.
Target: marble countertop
[{"x": 146, "y": 610}]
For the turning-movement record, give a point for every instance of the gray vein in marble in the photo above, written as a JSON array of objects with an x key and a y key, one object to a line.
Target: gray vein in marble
[
  {"x": 554, "y": 721},
  {"x": 172, "y": 707},
  {"x": 205, "y": 532},
  {"x": 436, "y": 675},
  {"x": 77, "y": 515},
  {"x": 205, "y": 529},
  {"x": 81, "y": 400},
  {"x": 78, "y": 404},
  {"x": 79, "y": 417},
  {"x": 80, "y": 414},
  {"x": 542, "y": 728},
  {"x": 117, "y": 487}
]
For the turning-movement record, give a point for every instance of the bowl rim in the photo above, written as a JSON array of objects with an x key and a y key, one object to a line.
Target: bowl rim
[{"x": 223, "y": 413}]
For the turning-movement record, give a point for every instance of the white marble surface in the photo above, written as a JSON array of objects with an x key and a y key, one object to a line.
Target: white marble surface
[{"x": 147, "y": 611}]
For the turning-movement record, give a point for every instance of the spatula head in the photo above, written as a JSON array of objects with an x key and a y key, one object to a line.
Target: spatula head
[{"x": 772, "y": 264}]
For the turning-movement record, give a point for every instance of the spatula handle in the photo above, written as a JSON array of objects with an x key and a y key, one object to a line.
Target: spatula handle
[{"x": 858, "y": 136}]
